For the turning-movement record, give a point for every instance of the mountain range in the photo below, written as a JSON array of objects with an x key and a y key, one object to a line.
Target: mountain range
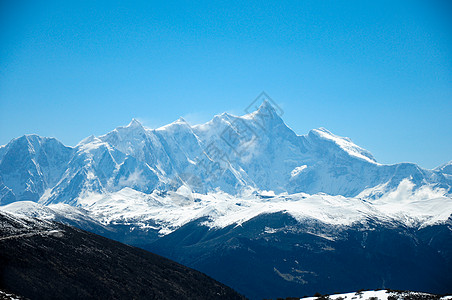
[
  {"x": 247, "y": 201},
  {"x": 228, "y": 153}
]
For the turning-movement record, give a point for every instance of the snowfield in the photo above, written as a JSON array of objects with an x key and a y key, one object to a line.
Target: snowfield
[
  {"x": 168, "y": 211},
  {"x": 380, "y": 295}
]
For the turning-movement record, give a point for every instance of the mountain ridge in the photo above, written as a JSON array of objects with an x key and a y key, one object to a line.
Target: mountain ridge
[
  {"x": 229, "y": 153},
  {"x": 46, "y": 260}
]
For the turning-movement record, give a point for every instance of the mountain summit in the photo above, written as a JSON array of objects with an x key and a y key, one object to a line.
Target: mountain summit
[
  {"x": 266, "y": 109},
  {"x": 134, "y": 123},
  {"x": 229, "y": 153}
]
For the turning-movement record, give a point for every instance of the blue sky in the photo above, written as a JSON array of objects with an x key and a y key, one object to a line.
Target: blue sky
[{"x": 379, "y": 72}]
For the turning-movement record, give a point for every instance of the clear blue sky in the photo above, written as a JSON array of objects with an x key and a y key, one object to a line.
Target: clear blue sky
[{"x": 379, "y": 72}]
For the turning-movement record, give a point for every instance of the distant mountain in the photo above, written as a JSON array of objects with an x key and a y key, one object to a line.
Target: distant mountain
[
  {"x": 446, "y": 169},
  {"x": 228, "y": 153},
  {"x": 247, "y": 201},
  {"x": 47, "y": 260},
  {"x": 29, "y": 165}
]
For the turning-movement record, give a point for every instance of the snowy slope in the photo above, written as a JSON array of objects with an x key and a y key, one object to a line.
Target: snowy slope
[
  {"x": 62, "y": 213},
  {"x": 174, "y": 209},
  {"x": 29, "y": 165},
  {"x": 382, "y": 295},
  {"x": 166, "y": 212},
  {"x": 446, "y": 168}
]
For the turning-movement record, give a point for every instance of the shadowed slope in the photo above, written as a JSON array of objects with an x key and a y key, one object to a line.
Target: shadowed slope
[{"x": 46, "y": 260}]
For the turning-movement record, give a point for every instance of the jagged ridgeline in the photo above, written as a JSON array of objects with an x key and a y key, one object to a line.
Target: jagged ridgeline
[
  {"x": 247, "y": 201},
  {"x": 228, "y": 153}
]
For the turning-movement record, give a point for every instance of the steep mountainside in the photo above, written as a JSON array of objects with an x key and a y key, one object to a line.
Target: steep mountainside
[
  {"x": 47, "y": 260},
  {"x": 29, "y": 165}
]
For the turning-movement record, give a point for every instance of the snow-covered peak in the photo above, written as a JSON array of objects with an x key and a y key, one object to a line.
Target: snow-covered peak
[
  {"x": 344, "y": 143},
  {"x": 22, "y": 207},
  {"x": 214, "y": 126},
  {"x": 179, "y": 122},
  {"x": 90, "y": 143},
  {"x": 266, "y": 107},
  {"x": 134, "y": 124},
  {"x": 265, "y": 115},
  {"x": 55, "y": 212},
  {"x": 133, "y": 127},
  {"x": 30, "y": 138},
  {"x": 222, "y": 118},
  {"x": 446, "y": 168},
  {"x": 30, "y": 209},
  {"x": 127, "y": 137},
  {"x": 30, "y": 142},
  {"x": 91, "y": 139},
  {"x": 224, "y": 115}
]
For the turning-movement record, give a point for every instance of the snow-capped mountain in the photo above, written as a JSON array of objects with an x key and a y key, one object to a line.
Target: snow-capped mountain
[
  {"x": 29, "y": 165},
  {"x": 446, "y": 169},
  {"x": 228, "y": 153},
  {"x": 221, "y": 196}
]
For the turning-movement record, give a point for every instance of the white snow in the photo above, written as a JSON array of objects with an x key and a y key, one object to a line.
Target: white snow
[
  {"x": 346, "y": 144},
  {"x": 366, "y": 295},
  {"x": 174, "y": 209},
  {"x": 381, "y": 295}
]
